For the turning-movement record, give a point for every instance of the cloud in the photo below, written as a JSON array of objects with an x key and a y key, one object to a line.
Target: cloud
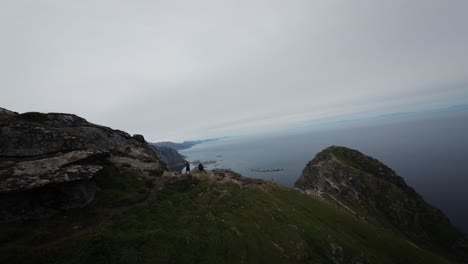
[{"x": 188, "y": 69}]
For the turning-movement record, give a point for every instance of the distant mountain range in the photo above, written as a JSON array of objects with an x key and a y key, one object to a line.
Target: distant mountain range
[{"x": 185, "y": 144}]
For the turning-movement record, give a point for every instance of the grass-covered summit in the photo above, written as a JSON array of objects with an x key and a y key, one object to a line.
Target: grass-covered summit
[{"x": 376, "y": 194}]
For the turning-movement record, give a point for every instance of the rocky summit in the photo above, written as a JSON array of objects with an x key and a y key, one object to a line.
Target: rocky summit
[
  {"x": 55, "y": 156},
  {"x": 374, "y": 193}
]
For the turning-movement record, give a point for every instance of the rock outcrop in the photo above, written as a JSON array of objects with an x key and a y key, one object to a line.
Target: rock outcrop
[
  {"x": 44, "y": 156},
  {"x": 376, "y": 194},
  {"x": 30, "y": 174}
]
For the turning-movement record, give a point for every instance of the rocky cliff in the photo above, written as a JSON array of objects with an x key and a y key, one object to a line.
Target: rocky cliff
[
  {"x": 376, "y": 194},
  {"x": 174, "y": 161},
  {"x": 48, "y": 161}
]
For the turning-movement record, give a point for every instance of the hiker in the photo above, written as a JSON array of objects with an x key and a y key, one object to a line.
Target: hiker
[
  {"x": 200, "y": 167},
  {"x": 187, "y": 167}
]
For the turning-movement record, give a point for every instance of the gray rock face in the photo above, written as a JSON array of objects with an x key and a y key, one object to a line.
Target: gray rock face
[
  {"x": 59, "y": 154},
  {"x": 372, "y": 191}
]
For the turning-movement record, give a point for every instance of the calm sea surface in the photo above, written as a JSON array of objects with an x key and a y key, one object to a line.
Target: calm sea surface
[{"x": 429, "y": 151}]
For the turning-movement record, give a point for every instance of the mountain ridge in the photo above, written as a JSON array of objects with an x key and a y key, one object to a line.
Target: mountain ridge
[{"x": 87, "y": 193}]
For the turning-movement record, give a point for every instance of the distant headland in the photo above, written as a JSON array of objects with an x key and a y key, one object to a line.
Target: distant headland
[{"x": 185, "y": 144}]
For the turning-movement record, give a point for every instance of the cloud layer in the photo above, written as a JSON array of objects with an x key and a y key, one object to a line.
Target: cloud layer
[{"x": 191, "y": 69}]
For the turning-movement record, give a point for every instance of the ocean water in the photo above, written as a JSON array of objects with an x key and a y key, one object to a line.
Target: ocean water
[{"x": 429, "y": 151}]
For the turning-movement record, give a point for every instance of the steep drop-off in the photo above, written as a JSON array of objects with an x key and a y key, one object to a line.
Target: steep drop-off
[{"x": 173, "y": 160}]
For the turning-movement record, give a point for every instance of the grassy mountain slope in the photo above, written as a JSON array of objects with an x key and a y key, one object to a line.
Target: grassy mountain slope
[
  {"x": 218, "y": 218},
  {"x": 374, "y": 192}
]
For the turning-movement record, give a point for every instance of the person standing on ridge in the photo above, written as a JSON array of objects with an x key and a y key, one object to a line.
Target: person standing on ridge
[
  {"x": 187, "y": 167},
  {"x": 200, "y": 167}
]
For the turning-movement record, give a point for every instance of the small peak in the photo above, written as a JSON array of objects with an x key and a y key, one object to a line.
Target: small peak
[{"x": 139, "y": 138}]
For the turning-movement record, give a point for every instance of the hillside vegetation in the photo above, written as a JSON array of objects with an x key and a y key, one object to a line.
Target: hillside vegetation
[{"x": 208, "y": 218}]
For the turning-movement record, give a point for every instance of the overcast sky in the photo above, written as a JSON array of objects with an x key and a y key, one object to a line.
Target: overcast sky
[{"x": 194, "y": 69}]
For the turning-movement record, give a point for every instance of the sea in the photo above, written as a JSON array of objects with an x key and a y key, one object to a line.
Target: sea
[{"x": 429, "y": 150}]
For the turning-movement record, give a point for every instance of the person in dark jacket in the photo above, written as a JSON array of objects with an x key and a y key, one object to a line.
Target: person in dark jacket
[
  {"x": 200, "y": 167},
  {"x": 187, "y": 167}
]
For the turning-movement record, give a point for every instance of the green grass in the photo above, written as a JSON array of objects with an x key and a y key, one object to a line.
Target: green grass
[
  {"x": 369, "y": 165},
  {"x": 393, "y": 198},
  {"x": 201, "y": 221}
]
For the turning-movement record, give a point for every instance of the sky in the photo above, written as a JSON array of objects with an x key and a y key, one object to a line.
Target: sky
[{"x": 179, "y": 70}]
